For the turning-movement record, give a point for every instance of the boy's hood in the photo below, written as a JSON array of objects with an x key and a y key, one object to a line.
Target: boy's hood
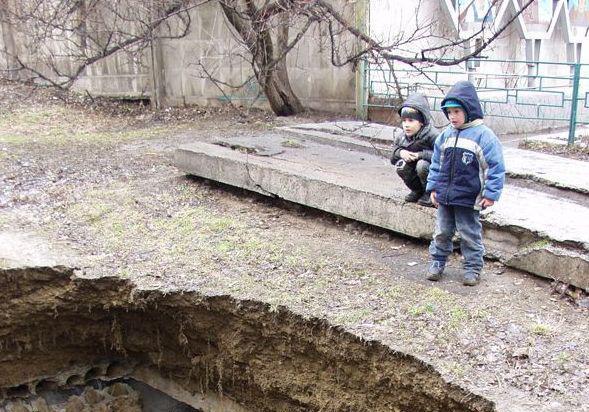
[
  {"x": 466, "y": 94},
  {"x": 419, "y": 102}
]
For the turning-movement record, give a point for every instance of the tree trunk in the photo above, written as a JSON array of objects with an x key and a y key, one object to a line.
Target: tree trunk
[
  {"x": 281, "y": 97},
  {"x": 158, "y": 88},
  {"x": 10, "y": 49},
  {"x": 271, "y": 75}
]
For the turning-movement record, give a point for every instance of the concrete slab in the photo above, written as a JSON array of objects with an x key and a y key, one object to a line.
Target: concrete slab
[
  {"x": 371, "y": 138},
  {"x": 20, "y": 249},
  {"x": 525, "y": 230},
  {"x": 548, "y": 169},
  {"x": 366, "y": 130}
]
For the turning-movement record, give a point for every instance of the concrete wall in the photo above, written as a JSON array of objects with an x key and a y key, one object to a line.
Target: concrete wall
[
  {"x": 211, "y": 44},
  {"x": 173, "y": 67}
]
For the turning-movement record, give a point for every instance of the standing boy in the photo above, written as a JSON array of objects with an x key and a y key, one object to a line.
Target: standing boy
[
  {"x": 466, "y": 175},
  {"x": 413, "y": 148}
]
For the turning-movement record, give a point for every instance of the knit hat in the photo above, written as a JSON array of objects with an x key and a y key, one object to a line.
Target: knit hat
[{"x": 411, "y": 113}]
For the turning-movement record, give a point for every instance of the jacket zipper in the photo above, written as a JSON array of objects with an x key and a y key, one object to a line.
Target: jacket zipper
[{"x": 452, "y": 166}]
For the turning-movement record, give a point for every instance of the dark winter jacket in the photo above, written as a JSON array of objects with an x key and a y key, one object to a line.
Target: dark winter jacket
[
  {"x": 467, "y": 164},
  {"x": 423, "y": 141}
]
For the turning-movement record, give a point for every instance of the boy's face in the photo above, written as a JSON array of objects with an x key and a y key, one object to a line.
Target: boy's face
[
  {"x": 456, "y": 116},
  {"x": 411, "y": 126}
]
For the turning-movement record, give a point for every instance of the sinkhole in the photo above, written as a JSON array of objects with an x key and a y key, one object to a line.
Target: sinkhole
[{"x": 71, "y": 343}]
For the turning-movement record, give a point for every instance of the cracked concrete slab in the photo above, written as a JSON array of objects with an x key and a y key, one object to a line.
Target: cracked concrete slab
[
  {"x": 548, "y": 169},
  {"x": 375, "y": 138},
  {"x": 524, "y": 226}
]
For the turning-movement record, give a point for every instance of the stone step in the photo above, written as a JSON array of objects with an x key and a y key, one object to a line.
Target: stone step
[
  {"x": 527, "y": 229},
  {"x": 549, "y": 170}
]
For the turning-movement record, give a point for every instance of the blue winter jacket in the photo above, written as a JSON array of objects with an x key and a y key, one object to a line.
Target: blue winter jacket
[{"x": 467, "y": 164}]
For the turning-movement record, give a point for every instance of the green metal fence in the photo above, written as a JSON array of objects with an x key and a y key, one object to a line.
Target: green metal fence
[{"x": 552, "y": 92}]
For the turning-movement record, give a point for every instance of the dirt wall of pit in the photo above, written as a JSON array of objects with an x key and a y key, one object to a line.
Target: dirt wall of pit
[{"x": 52, "y": 320}]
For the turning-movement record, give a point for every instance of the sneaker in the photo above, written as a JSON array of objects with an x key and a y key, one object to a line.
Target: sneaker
[
  {"x": 425, "y": 200},
  {"x": 435, "y": 271},
  {"x": 413, "y": 197},
  {"x": 471, "y": 279}
]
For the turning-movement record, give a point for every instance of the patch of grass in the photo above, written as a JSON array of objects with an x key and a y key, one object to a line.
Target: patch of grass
[
  {"x": 96, "y": 211},
  {"x": 562, "y": 358},
  {"x": 292, "y": 144},
  {"x": 60, "y": 125},
  {"x": 436, "y": 294},
  {"x": 352, "y": 316},
  {"x": 540, "y": 244},
  {"x": 220, "y": 224},
  {"x": 188, "y": 192},
  {"x": 458, "y": 315},
  {"x": 253, "y": 245},
  {"x": 392, "y": 294},
  {"x": 114, "y": 217},
  {"x": 225, "y": 246},
  {"x": 124, "y": 273},
  {"x": 456, "y": 369},
  {"x": 440, "y": 306},
  {"x": 357, "y": 273},
  {"x": 189, "y": 236},
  {"x": 540, "y": 329},
  {"x": 293, "y": 260},
  {"x": 418, "y": 310},
  {"x": 319, "y": 264},
  {"x": 480, "y": 313},
  {"x": 184, "y": 223}
]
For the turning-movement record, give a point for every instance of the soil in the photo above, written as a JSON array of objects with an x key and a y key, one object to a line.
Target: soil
[
  {"x": 268, "y": 359},
  {"x": 96, "y": 177}
]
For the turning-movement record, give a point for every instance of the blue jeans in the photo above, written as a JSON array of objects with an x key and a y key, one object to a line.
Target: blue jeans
[{"x": 466, "y": 221}]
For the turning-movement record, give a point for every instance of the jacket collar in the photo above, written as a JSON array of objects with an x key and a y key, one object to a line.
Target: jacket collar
[{"x": 475, "y": 122}]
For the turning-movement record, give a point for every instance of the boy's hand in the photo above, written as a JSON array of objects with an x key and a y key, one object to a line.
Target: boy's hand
[
  {"x": 408, "y": 156},
  {"x": 432, "y": 197},
  {"x": 485, "y": 203}
]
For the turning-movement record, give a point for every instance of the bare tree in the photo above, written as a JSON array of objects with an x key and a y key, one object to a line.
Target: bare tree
[
  {"x": 63, "y": 38},
  {"x": 265, "y": 33}
]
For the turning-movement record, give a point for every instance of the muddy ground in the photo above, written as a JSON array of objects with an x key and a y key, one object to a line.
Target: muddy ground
[{"x": 97, "y": 178}]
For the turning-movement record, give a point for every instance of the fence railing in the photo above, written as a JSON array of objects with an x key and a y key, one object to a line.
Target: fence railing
[{"x": 517, "y": 89}]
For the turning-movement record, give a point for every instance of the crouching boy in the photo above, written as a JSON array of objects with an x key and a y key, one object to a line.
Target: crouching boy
[
  {"x": 413, "y": 148},
  {"x": 466, "y": 175}
]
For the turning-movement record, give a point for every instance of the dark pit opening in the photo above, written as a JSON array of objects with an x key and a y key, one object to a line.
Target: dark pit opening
[
  {"x": 116, "y": 370},
  {"x": 19, "y": 391},
  {"x": 92, "y": 374},
  {"x": 45, "y": 385},
  {"x": 125, "y": 395},
  {"x": 74, "y": 380}
]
